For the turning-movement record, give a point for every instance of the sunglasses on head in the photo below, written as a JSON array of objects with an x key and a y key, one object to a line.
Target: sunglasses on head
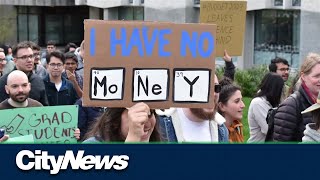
[{"x": 217, "y": 88}]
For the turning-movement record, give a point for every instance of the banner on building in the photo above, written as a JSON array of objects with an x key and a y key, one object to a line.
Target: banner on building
[
  {"x": 162, "y": 64},
  {"x": 48, "y": 124},
  {"x": 230, "y": 18}
]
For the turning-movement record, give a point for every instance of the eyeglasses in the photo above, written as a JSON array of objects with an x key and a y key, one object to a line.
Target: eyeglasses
[
  {"x": 59, "y": 65},
  {"x": 217, "y": 88},
  {"x": 1, "y": 60},
  {"x": 26, "y": 57},
  {"x": 284, "y": 69}
]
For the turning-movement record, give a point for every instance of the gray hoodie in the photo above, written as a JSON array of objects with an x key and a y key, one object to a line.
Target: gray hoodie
[{"x": 311, "y": 134}]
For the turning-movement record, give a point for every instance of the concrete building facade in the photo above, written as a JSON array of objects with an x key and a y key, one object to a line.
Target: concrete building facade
[{"x": 283, "y": 28}]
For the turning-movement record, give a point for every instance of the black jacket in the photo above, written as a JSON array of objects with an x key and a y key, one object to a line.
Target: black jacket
[
  {"x": 289, "y": 123},
  {"x": 86, "y": 117},
  {"x": 37, "y": 91},
  {"x": 67, "y": 95},
  {"x": 229, "y": 70}
]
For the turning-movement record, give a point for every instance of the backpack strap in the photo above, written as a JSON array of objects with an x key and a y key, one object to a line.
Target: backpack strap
[
  {"x": 295, "y": 97},
  {"x": 270, "y": 122}
]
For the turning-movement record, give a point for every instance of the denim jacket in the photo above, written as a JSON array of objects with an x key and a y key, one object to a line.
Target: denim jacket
[{"x": 171, "y": 134}]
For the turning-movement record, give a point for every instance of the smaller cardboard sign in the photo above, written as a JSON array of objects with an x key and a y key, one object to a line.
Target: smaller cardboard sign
[
  {"x": 49, "y": 124},
  {"x": 230, "y": 18}
]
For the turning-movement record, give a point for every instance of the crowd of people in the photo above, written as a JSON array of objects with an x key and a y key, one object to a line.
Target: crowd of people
[{"x": 31, "y": 79}]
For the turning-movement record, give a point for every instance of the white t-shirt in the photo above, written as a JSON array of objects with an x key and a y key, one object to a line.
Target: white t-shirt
[
  {"x": 58, "y": 86},
  {"x": 194, "y": 131}
]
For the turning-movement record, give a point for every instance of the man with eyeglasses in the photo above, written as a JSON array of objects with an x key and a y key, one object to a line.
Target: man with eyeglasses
[
  {"x": 5, "y": 66},
  {"x": 38, "y": 69},
  {"x": 3, "y": 62},
  {"x": 60, "y": 91},
  {"x": 194, "y": 124},
  {"x": 197, "y": 124},
  {"x": 281, "y": 67},
  {"x": 24, "y": 59}
]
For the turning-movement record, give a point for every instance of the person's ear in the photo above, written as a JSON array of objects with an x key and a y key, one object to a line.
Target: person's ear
[
  {"x": 7, "y": 89},
  {"x": 221, "y": 107}
]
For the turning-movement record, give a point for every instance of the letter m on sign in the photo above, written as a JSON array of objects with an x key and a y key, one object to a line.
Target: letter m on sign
[{"x": 107, "y": 83}]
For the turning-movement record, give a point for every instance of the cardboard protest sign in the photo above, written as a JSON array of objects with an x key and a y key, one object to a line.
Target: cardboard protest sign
[
  {"x": 49, "y": 124},
  {"x": 230, "y": 18},
  {"x": 162, "y": 64}
]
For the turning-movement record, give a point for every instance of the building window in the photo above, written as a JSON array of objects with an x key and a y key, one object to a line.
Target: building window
[
  {"x": 28, "y": 24},
  {"x": 278, "y": 2},
  {"x": 277, "y": 34},
  {"x": 60, "y": 24},
  {"x": 54, "y": 28},
  {"x": 131, "y": 13},
  {"x": 296, "y": 2}
]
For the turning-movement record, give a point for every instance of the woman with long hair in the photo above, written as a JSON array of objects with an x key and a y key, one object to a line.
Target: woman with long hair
[
  {"x": 267, "y": 97},
  {"x": 135, "y": 124}
]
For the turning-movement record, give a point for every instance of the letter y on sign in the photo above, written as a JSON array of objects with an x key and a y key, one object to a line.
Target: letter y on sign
[{"x": 191, "y": 85}]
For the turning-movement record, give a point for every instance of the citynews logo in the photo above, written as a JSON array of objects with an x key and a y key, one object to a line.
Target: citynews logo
[{"x": 40, "y": 160}]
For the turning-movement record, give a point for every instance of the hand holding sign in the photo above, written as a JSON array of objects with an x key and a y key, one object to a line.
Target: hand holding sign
[
  {"x": 140, "y": 123},
  {"x": 76, "y": 133},
  {"x": 3, "y": 137}
]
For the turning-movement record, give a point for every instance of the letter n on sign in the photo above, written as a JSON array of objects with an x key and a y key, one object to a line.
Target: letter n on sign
[{"x": 150, "y": 84}]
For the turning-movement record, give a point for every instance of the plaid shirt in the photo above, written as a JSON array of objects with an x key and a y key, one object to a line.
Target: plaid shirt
[{"x": 79, "y": 78}]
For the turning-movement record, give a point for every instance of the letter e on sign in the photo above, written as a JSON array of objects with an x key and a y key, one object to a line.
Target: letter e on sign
[
  {"x": 107, "y": 84},
  {"x": 191, "y": 85},
  {"x": 150, "y": 84}
]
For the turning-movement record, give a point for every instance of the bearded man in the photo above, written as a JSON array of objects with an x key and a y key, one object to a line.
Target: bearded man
[
  {"x": 194, "y": 124},
  {"x": 18, "y": 88}
]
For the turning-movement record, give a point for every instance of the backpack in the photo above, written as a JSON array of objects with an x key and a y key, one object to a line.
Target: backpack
[
  {"x": 271, "y": 114},
  {"x": 270, "y": 121}
]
